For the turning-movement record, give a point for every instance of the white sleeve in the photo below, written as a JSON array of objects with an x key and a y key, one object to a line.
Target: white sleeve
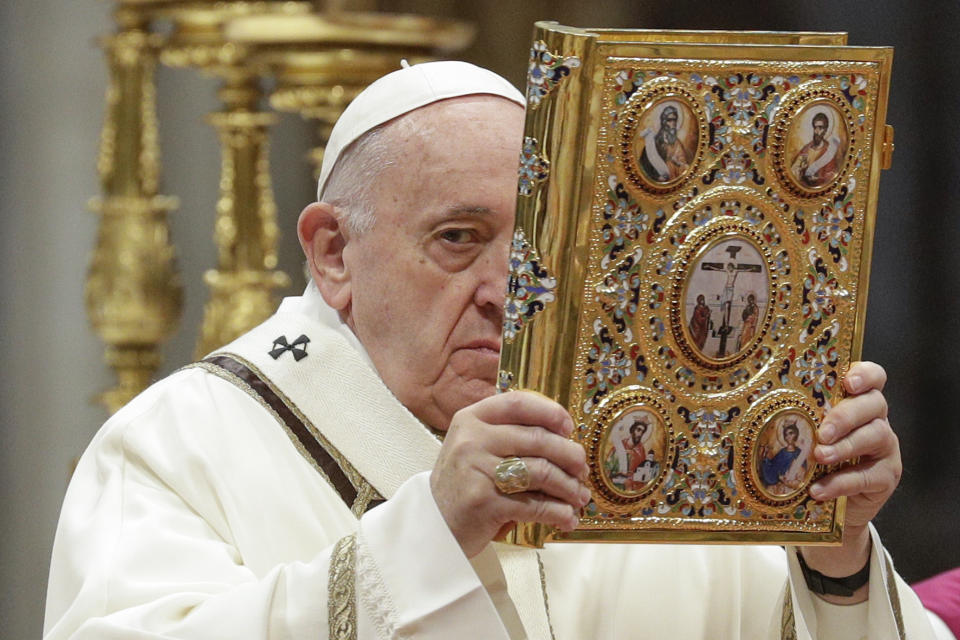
[
  {"x": 892, "y": 610},
  {"x": 157, "y": 541},
  {"x": 416, "y": 582}
]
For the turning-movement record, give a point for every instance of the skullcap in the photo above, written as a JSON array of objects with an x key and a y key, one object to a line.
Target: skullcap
[{"x": 404, "y": 90}]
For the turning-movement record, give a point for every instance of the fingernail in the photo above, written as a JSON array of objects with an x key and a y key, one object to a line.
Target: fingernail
[
  {"x": 855, "y": 383},
  {"x": 827, "y": 454},
  {"x": 816, "y": 491},
  {"x": 827, "y": 432},
  {"x": 568, "y": 425},
  {"x": 571, "y": 523},
  {"x": 584, "y": 496}
]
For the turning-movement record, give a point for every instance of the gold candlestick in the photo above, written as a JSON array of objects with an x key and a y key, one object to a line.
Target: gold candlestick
[
  {"x": 243, "y": 284},
  {"x": 133, "y": 291},
  {"x": 321, "y": 62}
]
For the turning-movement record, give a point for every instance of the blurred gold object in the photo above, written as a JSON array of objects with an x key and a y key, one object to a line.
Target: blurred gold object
[
  {"x": 689, "y": 270},
  {"x": 133, "y": 291},
  {"x": 243, "y": 284},
  {"x": 322, "y": 61}
]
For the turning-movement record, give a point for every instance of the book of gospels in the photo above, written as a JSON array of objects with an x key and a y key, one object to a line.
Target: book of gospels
[{"x": 689, "y": 270}]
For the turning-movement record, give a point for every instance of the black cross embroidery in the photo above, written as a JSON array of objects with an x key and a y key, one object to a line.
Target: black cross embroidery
[{"x": 298, "y": 348}]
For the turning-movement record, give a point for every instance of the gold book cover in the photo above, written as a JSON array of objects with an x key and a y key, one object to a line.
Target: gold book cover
[{"x": 689, "y": 269}]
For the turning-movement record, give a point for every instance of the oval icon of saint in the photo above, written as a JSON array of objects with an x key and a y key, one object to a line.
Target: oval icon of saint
[
  {"x": 633, "y": 451},
  {"x": 726, "y": 298},
  {"x": 666, "y": 141},
  {"x": 816, "y": 146},
  {"x": 783, "y": 458}
]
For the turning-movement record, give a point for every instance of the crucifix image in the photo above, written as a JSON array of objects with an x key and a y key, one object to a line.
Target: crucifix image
[{"x": 732, "y": 269}]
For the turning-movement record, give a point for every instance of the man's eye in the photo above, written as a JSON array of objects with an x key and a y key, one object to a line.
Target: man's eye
[{"x": 457, "y": 236}]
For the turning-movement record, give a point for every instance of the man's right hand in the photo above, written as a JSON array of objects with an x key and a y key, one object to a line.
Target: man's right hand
[{"x": 519, "y": 423}]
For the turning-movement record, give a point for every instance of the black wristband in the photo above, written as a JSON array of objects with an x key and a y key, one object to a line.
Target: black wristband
[{"x": 825, "y": 585}]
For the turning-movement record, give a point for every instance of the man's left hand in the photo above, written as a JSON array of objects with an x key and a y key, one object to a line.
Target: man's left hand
[{"x": 856, "y": 427}]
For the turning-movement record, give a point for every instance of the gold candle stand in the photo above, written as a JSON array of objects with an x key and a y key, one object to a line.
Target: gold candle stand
[
  {"x": 243, "y": 284},
  {"x": 133, "y": 291}
]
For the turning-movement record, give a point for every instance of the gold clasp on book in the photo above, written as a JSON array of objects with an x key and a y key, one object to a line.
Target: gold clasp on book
[{"x": 886, "y": 153}]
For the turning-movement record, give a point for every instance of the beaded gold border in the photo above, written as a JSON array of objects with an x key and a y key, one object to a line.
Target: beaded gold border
[
  {"x": 746, "y": 446},
  {"x": 604, "y": 416},
  {"x": 794, "y": 102},
  {"x": 654, "y": 92},
  {"x": 721, "y": 232}
]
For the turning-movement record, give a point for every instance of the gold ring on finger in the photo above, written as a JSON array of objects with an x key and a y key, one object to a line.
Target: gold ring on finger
[{"x": 512, "y": 475}]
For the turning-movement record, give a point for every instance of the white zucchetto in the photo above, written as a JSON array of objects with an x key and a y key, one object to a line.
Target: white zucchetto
[{"x": 404, "y": 90}]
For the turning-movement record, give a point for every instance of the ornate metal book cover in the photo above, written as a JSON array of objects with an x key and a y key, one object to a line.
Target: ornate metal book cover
[{"x": 689, "y": 269}]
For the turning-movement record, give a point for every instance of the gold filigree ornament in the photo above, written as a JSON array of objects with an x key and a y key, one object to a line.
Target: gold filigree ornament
[
  {"x": 530, "y": 287},
  {"x": 545, "y": 71}
]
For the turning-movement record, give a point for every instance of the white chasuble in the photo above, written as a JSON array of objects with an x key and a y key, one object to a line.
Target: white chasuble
[{"x": 241, "y": 498}]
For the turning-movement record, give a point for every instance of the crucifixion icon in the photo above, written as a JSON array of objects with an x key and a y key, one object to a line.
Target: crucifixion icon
[{"x": 732, "y": 270}]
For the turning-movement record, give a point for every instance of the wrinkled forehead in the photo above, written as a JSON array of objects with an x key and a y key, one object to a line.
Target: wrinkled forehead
[{"x": 450, "y": 151}]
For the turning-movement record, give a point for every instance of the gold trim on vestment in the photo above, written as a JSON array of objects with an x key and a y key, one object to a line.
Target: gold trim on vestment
[
  {"x": 365, "y": 494},
  {"x": 788, "y": 626},
  {"x": 546, "y": 601},
  {"x": 894, "y": 598},
  {"x": 342, "y": 596}
]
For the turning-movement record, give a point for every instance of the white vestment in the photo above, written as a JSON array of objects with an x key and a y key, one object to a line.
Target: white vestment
[{"x": 195, "y": 513}]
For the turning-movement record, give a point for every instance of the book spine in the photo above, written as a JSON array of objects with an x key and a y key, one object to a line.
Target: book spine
[{"x": 545, "y": 281}]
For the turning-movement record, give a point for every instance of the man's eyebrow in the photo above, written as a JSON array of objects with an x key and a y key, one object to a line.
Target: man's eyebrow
[{"x": 463, "y": 209}]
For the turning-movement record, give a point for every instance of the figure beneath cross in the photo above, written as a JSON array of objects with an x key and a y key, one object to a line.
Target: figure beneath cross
[{"x": 732, "y": 270}]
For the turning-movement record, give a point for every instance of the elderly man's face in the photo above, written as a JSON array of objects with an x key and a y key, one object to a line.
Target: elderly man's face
[{"x": 428, "y": 280}]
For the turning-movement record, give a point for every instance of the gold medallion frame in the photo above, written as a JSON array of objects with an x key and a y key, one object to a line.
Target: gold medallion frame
[
  {"x": 608, "y": 496},
  {"x": 772, "y": 407},
  {"x": 795, "y": 103},
  {"x": 762, "y": 201},
  {"x": 704, "y": 243},
  {"x": 662, "y": 91}
]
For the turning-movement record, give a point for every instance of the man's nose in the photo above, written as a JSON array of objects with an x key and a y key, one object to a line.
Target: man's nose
[{"x": 491, "y": 288}]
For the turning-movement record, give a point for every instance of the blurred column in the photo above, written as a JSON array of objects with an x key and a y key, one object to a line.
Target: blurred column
[
  {"x": 243, "y": 285},
  {"x": 133, "y": 291}
]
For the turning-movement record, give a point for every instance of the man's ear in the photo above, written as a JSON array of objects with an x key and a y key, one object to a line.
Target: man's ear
[{"x": 323, "y": 240}]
